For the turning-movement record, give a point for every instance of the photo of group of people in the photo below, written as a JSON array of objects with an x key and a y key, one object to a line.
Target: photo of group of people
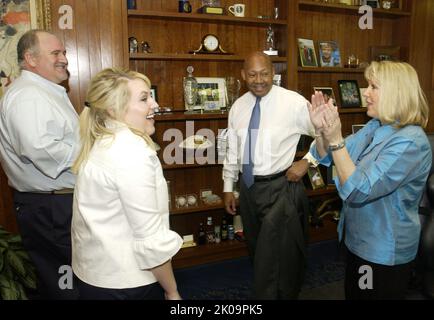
[{"x": 329, "y": 54}]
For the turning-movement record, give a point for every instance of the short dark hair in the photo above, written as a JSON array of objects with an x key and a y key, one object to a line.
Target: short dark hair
[{"x": 29, "y": 41}]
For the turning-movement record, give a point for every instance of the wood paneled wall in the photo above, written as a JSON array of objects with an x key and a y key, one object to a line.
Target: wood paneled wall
[
  {"x": 97, "y": 41},
  {"x": 422, "y": 50}
]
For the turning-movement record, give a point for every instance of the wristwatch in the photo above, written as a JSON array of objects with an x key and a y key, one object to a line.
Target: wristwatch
[{"x": 334, "y": 147}]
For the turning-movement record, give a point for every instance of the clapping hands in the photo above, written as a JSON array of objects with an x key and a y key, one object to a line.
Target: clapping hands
[{"x": 325, "y": 118}]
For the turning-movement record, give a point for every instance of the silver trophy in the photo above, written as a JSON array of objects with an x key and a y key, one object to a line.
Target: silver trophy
[{"x": 190, "y": 90}]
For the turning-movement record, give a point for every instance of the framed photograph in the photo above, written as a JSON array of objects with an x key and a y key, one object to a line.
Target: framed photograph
[
  {"x": 211, "y": 93},
  {"x": 331, "y": 175},
  {"x": 154, "y": 93},
  {"x": 315, "y": 178},
  {"x": 327, "y": 92},
  {"x": 17, "y": 17},
  {"x": 362, "y": 92},
  {"x": 349, "y": 93},
  {"x": 371, "y": 3},
  {"x": 306, "y": 48},
  {"x": 356, "y": 127},
  {"x": 329, "y": 55},
  {"x": 380, "y": 53}
]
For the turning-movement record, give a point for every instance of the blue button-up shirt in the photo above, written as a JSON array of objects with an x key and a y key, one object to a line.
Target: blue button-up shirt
[{"x": 381, "y": 197}]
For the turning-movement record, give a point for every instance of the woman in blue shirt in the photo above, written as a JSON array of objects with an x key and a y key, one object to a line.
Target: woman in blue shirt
[{"x": 382, "y": 171}]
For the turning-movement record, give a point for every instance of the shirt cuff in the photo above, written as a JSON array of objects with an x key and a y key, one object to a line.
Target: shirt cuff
[
  {"x": 156, "y": 249},
  {"x": 228, "y": 185},
  {"x": 311, "y": 160}
]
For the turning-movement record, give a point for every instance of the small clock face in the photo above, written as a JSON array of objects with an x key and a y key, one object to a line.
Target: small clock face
[{"x": 210, "y": 42}]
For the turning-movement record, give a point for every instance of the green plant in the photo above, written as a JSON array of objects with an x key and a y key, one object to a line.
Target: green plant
[{"x": 16, "y": 269}]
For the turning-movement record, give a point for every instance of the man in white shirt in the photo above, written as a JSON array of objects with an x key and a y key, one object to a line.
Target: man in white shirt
[
  {"x": 273, "y": 210},
  {"x": 38, "y": 145}
]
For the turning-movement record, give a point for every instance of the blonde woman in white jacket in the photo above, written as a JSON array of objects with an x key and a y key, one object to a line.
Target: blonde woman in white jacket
[{"x": 121, "y": 242}]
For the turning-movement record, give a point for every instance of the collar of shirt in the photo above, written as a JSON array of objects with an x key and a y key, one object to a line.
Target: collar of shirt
[{"x": 61, "y": 91}]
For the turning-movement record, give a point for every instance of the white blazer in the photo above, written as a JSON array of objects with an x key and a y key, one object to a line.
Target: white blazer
[{"x": 120, "y": 224}]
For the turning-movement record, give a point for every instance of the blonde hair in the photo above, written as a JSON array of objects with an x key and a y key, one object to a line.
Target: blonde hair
[
  {"x": 402, "y": 101},
  {"x": 107, "y": 98}
]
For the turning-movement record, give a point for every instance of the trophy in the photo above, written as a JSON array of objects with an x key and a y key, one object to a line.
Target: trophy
[
  {"x": 270, "y": 43},
  {"x": 233, "y": 86}
]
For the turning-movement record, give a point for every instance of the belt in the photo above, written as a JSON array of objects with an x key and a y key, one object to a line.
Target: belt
[
  {"x": 61, "y": 191},
  {"x": 269, "y": 177}
]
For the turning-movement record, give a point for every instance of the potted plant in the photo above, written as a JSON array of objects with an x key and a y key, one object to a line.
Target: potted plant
[{"x": 16, "y": 270}]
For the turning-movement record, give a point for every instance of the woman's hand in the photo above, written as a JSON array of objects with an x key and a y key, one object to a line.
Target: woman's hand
[
  {"x": 317, "y": 109},
  {"x": 332, "y": 128}
]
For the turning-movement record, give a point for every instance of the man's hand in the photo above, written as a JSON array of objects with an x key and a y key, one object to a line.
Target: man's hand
[
  {"x": 230, "y": 204},
  {"x": 297, "y": 170}
]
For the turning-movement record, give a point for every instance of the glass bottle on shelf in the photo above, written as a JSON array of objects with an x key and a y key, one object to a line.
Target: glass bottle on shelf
[
  {"x": 202, "y": 236},
  {"x": 190, "y": 89},
  {"x": 210, "y": 237},
  {"x": 224, "y": 229}
]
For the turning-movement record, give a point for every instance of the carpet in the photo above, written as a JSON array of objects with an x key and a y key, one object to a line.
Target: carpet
[{"x": 232, "y": 279}]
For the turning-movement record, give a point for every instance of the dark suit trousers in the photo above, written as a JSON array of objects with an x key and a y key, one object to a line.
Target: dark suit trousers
[
  {"x": 44, "y": 221},
  {"x": 274, "y": 219}
]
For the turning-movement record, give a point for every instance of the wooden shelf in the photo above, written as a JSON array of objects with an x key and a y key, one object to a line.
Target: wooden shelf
[
  {"x": 199, "y": 57},
  {"x": 352, "y": 110},
  {"x": 340, "y": 8},
  {"x": 181, "y": 116},
  {"x": 206, "y": 18},
  {"x": 330, "y": 70},
  {"x": 199, "y": 208},
  {"x": 208, "y": 253}
]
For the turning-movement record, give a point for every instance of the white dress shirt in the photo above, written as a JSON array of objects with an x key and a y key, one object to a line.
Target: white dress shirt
[
  {"x": 284, "y": 117},
  {"x": 39, "y": 137},
  {"x": 120, "y": 224}
]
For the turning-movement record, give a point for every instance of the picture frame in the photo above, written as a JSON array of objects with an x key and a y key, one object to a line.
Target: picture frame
[
  {"x": 315, "y": 178},
  {"x": 371, "y": 3},
  {"x": 331, "y": 175},
  {"x": 349, "y": 93},
  {"x": 154, "y": 93},
  {"x": 329, "y": 54},
  {"x": 327, "y": 93},
  {"x": 362, "y": 97},
  {"x": 356, "y": 127},
  {"x": 39, "y": 17},
  {"x": 380, "y": 53},
  {"x": 181, "y": 201},
  {"x": 306, "y": 49},
  {"x": 211, "y": 94}
]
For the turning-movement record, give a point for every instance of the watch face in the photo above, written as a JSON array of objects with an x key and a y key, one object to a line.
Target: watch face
[{"x": 211, "y": 42}]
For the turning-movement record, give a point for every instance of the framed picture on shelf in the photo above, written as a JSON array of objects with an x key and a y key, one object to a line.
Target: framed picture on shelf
[
  {"x": 327, "y": 93},
  {"x": 329, "y": 55},
  {"x": 315, "y": 178},
  {"x": 331, "y": 175},
  {"x": 362, "y": 97},
  {"x": 211, "y": 93},
  {"x": 349, "y": 93},
  {"x": 154, "y": 94},
  {"x": 380, "y": 53},
  {"x": 356, "y": 127},
  {"x": 306, "y": 48},
  {"x": 371, "y": 3}
]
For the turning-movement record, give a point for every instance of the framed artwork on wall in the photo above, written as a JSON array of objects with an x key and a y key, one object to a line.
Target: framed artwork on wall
[{"x": 19, "y": 17}]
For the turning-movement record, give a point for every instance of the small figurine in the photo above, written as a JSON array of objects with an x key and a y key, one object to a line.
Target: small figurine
[{"x": 146, "y": 48}]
